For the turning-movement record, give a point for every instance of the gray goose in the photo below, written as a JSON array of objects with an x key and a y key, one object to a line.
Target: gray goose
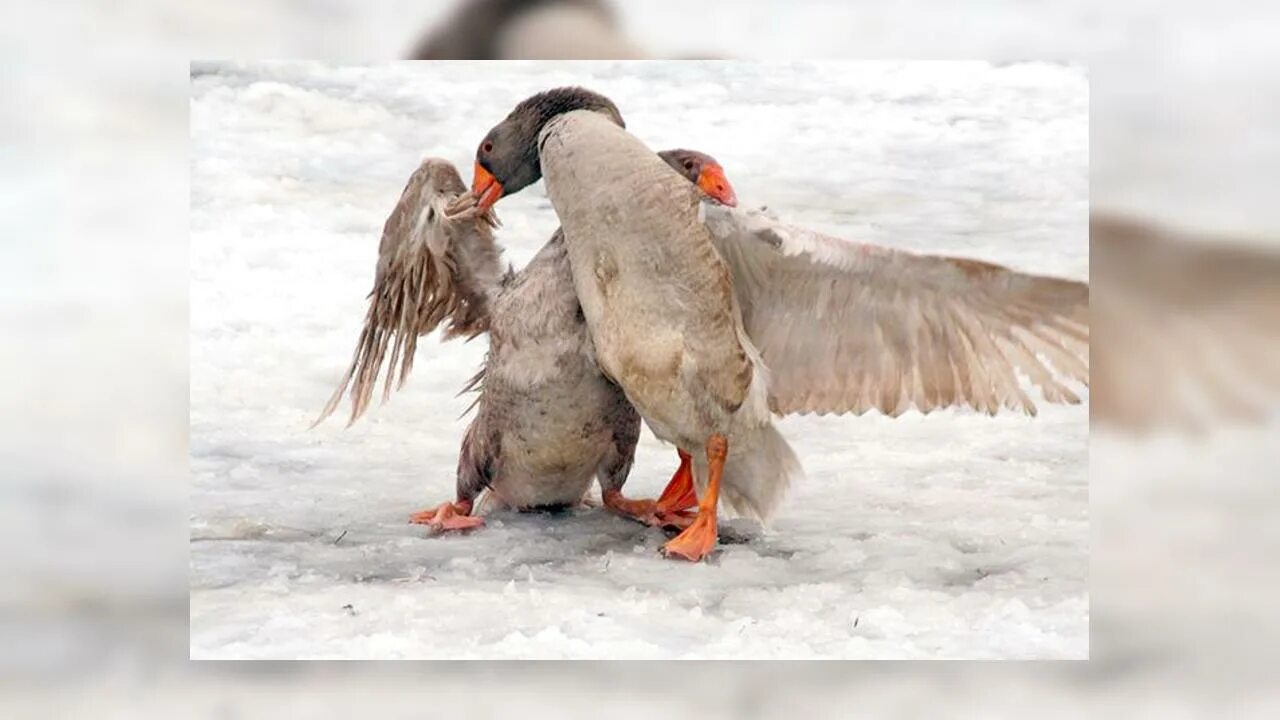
[
  {"x": 547, "y": 422},
  {"x": 712, "y": 320},
  {"x": 526, "y": 29}
]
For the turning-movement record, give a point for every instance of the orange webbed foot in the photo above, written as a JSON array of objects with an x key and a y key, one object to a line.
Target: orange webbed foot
[
  {"x": 645, "y": 511},
  {"x": 669, "y": 509},
  {"x": 696, "y": 542},
  {"x": 677, "y": 519},
  {"x": 448, "y": 517},
  {"x": 699, "y": 538}
]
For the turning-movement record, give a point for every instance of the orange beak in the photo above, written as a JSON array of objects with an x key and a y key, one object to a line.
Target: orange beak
[
  {"x": 485, "y": 187},
  {"x": 713, "y": 182}
]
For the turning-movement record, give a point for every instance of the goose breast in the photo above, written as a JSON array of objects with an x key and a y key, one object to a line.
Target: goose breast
[{"x": 655, "y": 293}]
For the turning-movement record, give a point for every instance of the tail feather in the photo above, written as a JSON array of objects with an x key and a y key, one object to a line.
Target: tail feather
[{"x": 757, "y": 473}]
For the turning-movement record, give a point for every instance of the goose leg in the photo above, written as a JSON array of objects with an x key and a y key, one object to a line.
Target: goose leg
[
  {"x": 670, "y": 509},
  {"x": 644, "y": 511},
  {"x": 699, "y": 539},
  {"x": 679, "y": 493},
  {"x": 678, "y": 496},
  {"x": 448, "y": 516},
  {"x": 617, "y": 465}
]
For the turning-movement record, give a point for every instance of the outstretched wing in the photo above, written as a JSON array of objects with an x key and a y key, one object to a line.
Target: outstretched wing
[
  {"x": 846, "y": 327},
  {"x": 1190, "y": 328},
  {"x": 432, "y": 268}
]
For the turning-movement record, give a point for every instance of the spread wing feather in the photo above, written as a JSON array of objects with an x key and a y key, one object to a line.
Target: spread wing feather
[
  {"x": 1190, "y": 328},
  {"x": 433, "y": 269},
  {"x": 848, "y": 327}
]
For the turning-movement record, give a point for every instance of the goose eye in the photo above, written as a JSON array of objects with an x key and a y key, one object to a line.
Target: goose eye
[
  {"x": 688, "y": 164},
  {"x": 487, "y": 147}
]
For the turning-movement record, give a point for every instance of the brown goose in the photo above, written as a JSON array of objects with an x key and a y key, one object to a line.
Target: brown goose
[
  {"x": 712, "y": 320},
  {"x": 547, "y": 421}
]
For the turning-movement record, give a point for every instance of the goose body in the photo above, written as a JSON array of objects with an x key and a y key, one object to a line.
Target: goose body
[
  {"x": 660, "y": 303},
  {"x": 547, "y": 421}
]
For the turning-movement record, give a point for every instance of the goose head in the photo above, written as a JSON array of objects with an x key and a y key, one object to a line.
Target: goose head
[
  {"x": 507, "y": 158},
  {"x": 704, "y": 171}
]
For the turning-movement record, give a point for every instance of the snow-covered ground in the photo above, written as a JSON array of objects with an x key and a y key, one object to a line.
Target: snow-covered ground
[{"x": 955, "y": 535}]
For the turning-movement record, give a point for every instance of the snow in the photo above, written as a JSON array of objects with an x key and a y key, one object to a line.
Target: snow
[{"x": 948, "y": 536}]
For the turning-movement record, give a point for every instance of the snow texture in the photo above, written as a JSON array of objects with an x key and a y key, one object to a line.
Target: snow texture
[{"x": 948, "y": 536}]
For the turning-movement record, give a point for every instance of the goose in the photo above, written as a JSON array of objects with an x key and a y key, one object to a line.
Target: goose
[
  {"x": 547, "y": 422},
  {"x": 713, "y": 320},
  {"x": 527, "y": 29}
]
